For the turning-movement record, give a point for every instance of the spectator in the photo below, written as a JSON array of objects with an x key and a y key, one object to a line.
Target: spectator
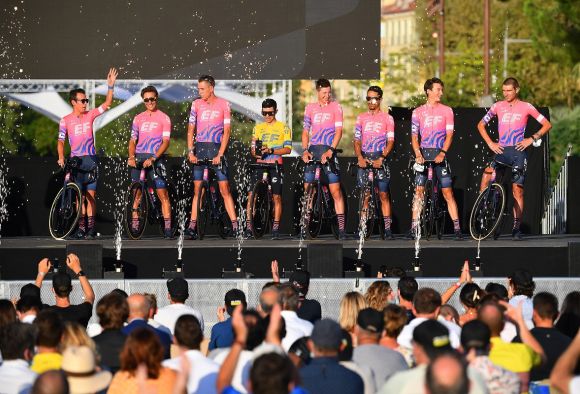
[
  {"x": 475, "y": 342},
  {"x": 447, "y": 373},
  {"x": 562, "y": 377},
  {"x": 395, "y": 318},
  {"x": 222, "y": 334},
  {"x": 296, "y": 327},
  {"x": 299, "y": 352},
  {"x": 49, "y": 328},
  {"x": 516, "y": 357},
  {"x": 350, "y": 305},
  {"x": 268, "y": 298},
  {"x": 112, "y": 311},
  {"x": 569, "y": 320},
  {"x": 470, "y": 296},
  {"x": 31, "y": 290},
  {"x": 138, "y": 314},
  {"x": 203, "y": 371},
  {"x": 51, "y": 382},
  {"x": 7, "y": 313},
  {"x": 449, "y": 313},
  {"x": 27, "y": 308},
  {"x": 152, "y": 298},
  {"x": 430, "y": 339},
  {"x": 62, "y": 286},
  {"x": 309, "y": 309},
  {"x": 17, "y": 347},
  {"x": 324, "y": 374},
  {"x": 498, "y": 289},
  {"x": 406, "y": 289},
  {"x": 79, "y": 365},
  {"x": 75, "y": 335},
  {"x": 553, "y": 342},
  {"x": 426, "y": 305},
  {"x": 178, "y": 293},
  {"x": 142, "y": 347},
  {"x": 378, "y": 295},
  {"x": 521, "y": 290},
  {"x": 509, "y": 331},
  {"x": 345, "y": 359},
  {"x": 383, "y": 362}
]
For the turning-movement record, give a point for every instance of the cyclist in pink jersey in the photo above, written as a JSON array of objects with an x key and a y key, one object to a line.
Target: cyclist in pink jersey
[
  {"x": 432, "y": 127},
  {"x": 320, "y": 137},
  {"x": 512, "y": 115},
  {"x": 208, "y": 134},
  {"x": 149, "y": 141},
  {"x": 78, "y": 127},
  {"x": 374, "y": 139}
]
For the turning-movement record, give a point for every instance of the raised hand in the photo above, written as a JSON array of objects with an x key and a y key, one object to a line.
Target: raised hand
[{"x": 112, "y": 76}]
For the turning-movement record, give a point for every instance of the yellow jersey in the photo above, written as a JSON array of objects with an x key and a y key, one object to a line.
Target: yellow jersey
[{"x": 275, "y": 135}]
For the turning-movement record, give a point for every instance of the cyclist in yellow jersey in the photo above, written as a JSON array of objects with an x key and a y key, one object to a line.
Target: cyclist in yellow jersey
[{"x": 270, "y": 140}]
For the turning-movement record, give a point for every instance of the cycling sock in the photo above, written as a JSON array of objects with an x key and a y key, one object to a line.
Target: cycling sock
[
  {"x": 192, "y": 224},
  {"x": 91, "y": 221},
  {"x": 276, "y": 225},
  {"x": 248, "y": 224},
  {"x": 517, "y": 223},
  {"x": 135, "y": 223},
  {"x": 235, "y": 225},
  {"x": 82, "y": 223},
  {"x": 414, "y": 224},
  {"x": 456, "y": 225},
  {"x": 387, "y": 220},
  {"x": 167, "y": 223},
  {"x": 340, "y": 218}
]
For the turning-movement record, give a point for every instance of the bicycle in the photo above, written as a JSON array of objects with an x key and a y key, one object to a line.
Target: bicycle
[
  {"x": 143, "y": 204},
  {"x": 210, "y": 204},
  {"x": 66, "y": 208},
  {"x": 261, "y": 203},
  {"x": 369, "y": 205},
  {"x": 489, "y": 208},
  {"x": 432, "y": 214}
]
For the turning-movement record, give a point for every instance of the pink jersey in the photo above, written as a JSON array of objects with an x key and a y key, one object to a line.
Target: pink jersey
[
  {"x": 149, "y": 130},
  {"x": 432, "y": 124},
  {"x": 209, "y": 119},
  {"x": 374, "y": 130},
  {"x": 512, "y": 120},
  {"x": 321, "y": 122},
  {"x": 80, "y": 131}
]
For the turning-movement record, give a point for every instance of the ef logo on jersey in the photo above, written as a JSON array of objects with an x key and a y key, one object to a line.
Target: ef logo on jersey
[
  {"x": 373, "y": 127},
  {"x": 210, "y": 115},
  {"x": 148, "y": 126},
  {"x": 510, "y": 117},
  {"x": 82, "y": 128},
  {"x": 433, "y": 121},
  {"x": 321, "y": 117}
]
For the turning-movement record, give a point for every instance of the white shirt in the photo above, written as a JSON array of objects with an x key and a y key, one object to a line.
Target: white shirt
[
  {"x": 242, "y": 372},
  {"x": 574, "y": 385},
  {"x": 527, "y": 308},
  {"x": 365, "y": 373},
  {"x": 16, "y": 377},
  {"x": 169, "y": 314},
  {"x": 159, "y": 326},
  {"x": 405, "y": 338},
  {"x": 202, "y": 373},
  {"x": 28, "y": 319},
  {"x": 296, "y": 328}
]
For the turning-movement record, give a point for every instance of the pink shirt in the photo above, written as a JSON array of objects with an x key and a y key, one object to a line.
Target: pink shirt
[
  {"x": 209, "y": 119},
  {"x": 374, "y": 130},
  {"x": 432, "y": 123},
  {"x": 321, "y": 122},
  {"x": 512, "y": 120},
  {"x": 150, "y": 129},
  {"x": 79, "y": 130}
]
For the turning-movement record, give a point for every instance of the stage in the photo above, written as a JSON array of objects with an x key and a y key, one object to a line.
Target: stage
[{"x": 543, "y": 255}]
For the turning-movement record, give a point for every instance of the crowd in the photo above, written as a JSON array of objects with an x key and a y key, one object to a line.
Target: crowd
[{"x": 506, "y": 339}]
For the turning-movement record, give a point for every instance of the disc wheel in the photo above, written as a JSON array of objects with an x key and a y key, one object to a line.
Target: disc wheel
[
  {"x": 313, "y": 211},
  {"x": 260, "y": 209},
  {"x": 487, "y": 213},
  {"x": 65, "y": 211}
]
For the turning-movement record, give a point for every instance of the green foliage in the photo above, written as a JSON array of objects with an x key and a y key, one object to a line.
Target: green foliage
[{"x": 565, "y": 131}]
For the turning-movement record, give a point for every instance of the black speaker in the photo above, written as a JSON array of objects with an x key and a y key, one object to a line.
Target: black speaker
[
  {"x": 324, "y": 260},
  {"x": 573, "y": 259},
  {"x": 91, "y": 257}
]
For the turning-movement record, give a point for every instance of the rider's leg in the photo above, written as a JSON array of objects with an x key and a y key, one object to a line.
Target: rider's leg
[
  {"x": 229, "y": 203},
  {"x": 196, "y": 196},
  {"x": 338, "y": 204},
  {"x": 518, "y": 193},
  {"x": 91, "y": 209},
  {"x": 386, "y": 209},
  {"x": 165, "y": 207},
  {"x": 485, "y": 178},
  {"x": 418, "y": 200},
  {"x": 451, "y": 207},
  {"x": 277, "y": 211}
]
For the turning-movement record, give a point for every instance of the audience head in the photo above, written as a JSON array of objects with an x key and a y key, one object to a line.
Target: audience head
[
  {"x": 120, "y": 292},
  {"x": 326, "y": 337},
  {"x": 76, "y": 335},
  {"x": 49, "y": 328},
  {"x": 7, "y": 313},
  {"x": 426, "y": 302},
  {"x": 475, "y": 335},
  {"x": 268, "y": 297},
  {"x": 272, "y": 373},
  {"x": 152, "y": 298},
  {"x": 17, "y": 341},
  {"x": 178, "y": 290},
  {"x": 51, "y": 382},
  {"x": 113, "y": 311},
  {"x": 407, "y": 287},
  {"x": 430, "y": 339},
  {"x": 288, "y": 297},
  {"x": 350, "y": 305},
  {"x": 233, "y": 298},
  {"x": 545, "y": 307},
  {"x": 471, "y": 295},
  {"x": 61, "y": 284},
  {"x": 447, "y": 374},
  {"x": 30, "y": 290},
  {"x": 188, "y": 332},
  {"x": 257, "y": 327},
  {"x": 522, "y": 283},
  {"x": 300, "y": 279},
  {"x": 449, "y": 313},
  {"x": 369, "y": 325},
  {"x": 28, "y": 304},
  {"x": 395, "y": 318},
  {"x": 378, "y": 295},
  {"x": 142, "y": 347},
  {"x": 497, "y": 288},
  {"x": 491, "y": 313},
  {"x": 299, "y": 352},
  {"x": 346, "y": 347},
  {"x": 571, "y": 303},
  {"x": 80, "y": 367},
  {"x": 138, "y": 306}
]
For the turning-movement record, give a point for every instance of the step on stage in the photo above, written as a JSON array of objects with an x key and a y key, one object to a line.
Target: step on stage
[{"x": 544, "y": 256}]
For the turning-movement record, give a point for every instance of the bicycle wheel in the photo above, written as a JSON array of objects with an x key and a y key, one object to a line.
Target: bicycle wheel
[
  {"x": 136, "y": 207},
  {"x": 260, "y": 209},
  {"x": 366, "y": 215},
  {"x": 173, "y": 199},
  {"x": 313, "y": 211},
  {"x": 65, "y": 211},
  {"x": 428, "y": 211},
  {"x": 203, "y": 210},
  {"x": 487, "y": 212}
]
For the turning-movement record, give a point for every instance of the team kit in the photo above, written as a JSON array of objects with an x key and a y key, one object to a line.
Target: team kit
[{"x": 208, "y": 134}]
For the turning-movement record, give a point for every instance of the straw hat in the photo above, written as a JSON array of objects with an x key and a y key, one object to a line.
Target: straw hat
[{"x": 78, "y": 363}]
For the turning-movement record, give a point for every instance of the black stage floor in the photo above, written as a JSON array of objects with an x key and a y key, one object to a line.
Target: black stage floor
[{"x": 544, "y": 256}]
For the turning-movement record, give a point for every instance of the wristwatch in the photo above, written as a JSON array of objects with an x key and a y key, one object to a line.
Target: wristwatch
[{"x": 81, "y": 273}]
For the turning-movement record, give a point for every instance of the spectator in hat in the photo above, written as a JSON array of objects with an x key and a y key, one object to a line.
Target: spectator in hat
[
  {"x": 324, "y": 374},
  {"x": 62, "y": 287},
  {"x": 222, "y": 334},
  {"x": 345, "y": 359},
  {"x": 382, "y": 361},
  {"x": 520, "y": 291},
  {"x": 27, "y": 308},
  {"x": 113, "y": 311},
  {"x": 296, "y": 327},
  {"x": 178, "y": 293},
  {"x": 79, "y": 366},
  {"x": 430, "y": 339},
  {"x": 17, "y": 347},
  {"x": 49, "y": 328}
]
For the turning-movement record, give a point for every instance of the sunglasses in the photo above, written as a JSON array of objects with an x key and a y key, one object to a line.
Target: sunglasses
[
  {"x": 84, "y": 101},
  {"x": 376, "y": 98},
  {"x": 268, "y": 113},
  {"x": 150, "y": 100}
]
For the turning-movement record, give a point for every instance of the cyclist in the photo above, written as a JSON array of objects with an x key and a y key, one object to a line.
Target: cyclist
[
  {"x": 374, "y": 139},
  {"x": 149, "y": 141},
  {"x": 512, "y": 115},
  {"x": 276, "y": 140},
  {"x": 320, "y": 137},
  {"x": 431, "y": 136},
  {"x": 78, "y": 127},
  {"x": 208, "y": 134}
]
